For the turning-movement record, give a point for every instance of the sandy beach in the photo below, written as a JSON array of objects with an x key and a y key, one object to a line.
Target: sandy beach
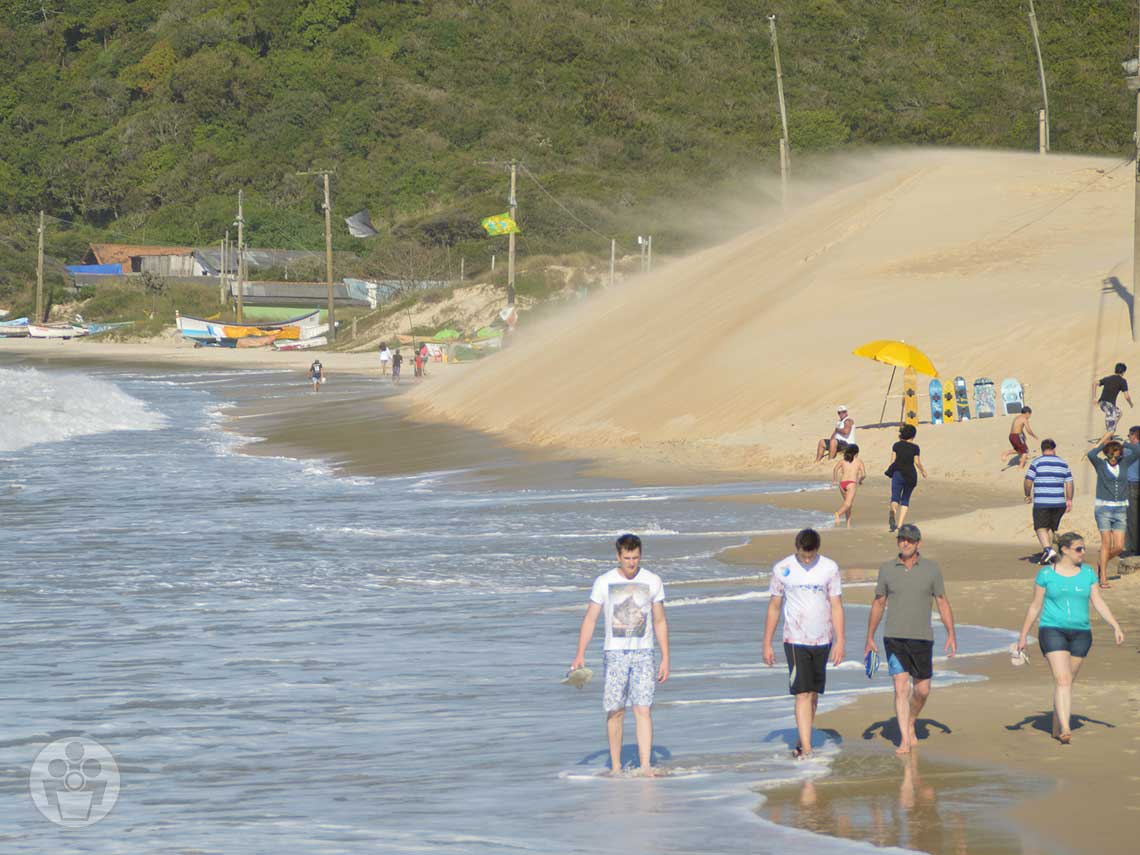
[{"x": 730, "y": 364}]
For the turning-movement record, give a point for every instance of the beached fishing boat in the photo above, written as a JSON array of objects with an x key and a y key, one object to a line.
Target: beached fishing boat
[
  {"x": 201, "y": 330},
  {"x": 301, "y": 344},
  {"x": 17, "y": 328},
  {"x": 95, "y": 329},
  {"x": 55, "y": 331}
]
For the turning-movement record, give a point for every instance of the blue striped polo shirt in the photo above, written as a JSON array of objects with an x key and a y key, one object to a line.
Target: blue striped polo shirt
[{"x": 1049, "y": 474}]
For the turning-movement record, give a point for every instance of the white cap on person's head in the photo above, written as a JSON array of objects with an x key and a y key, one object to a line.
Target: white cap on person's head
[{"x": 841, "y": 409}]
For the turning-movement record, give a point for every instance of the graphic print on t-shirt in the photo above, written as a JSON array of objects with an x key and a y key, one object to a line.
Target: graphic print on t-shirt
[{"x": 629, "y": 604}]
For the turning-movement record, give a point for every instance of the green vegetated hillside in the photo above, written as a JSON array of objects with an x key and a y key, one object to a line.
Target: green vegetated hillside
[{"x": 139, "y": 120}]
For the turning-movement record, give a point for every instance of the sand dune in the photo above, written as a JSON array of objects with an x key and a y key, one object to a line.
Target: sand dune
[{"x": 993, "y": 263}]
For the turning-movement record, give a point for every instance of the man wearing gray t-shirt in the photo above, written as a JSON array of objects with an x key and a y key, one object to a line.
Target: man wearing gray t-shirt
[{"x": 909, "y": 582}]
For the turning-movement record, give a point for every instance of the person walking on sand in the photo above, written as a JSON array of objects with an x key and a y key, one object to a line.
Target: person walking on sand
[
  {"x": 316, "y": 375},
  {"x": 1049, "y": 488},
  {"x": 1017, "y": 431},
  {"x": 385, "y": 359},
  {"x": 397, "y": 361},
  {"x": 849, "y": 474},
  {"x": 1110, "y": 508},
  {"x": 424, "y": 354},
  {"x": 903, "y": 472},
  {"x": 805, "y": 586},
  {"x": 419, "y": 364},
  {"x": 1111, "y": 387},
  {"x": 1061, "y": 596},
  {"x": 842, "y": 436},
  {"x": 907, "y": 584},
  {"x": 632, "y": 601}
]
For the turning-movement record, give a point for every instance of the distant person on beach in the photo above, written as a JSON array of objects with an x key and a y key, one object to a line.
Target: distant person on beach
[
  {"x": 849, "y": 474},
  {"x": 423, "y": 359},
  {"x": 1049, "y": 488},
  {"x": 418, "y": 362},
  {"x": 1132, "y": 531},
  {"x": 1111, "y": 387},
  {"x": 1110, "y": 509},
  {"x": 316, "y": 375},
  {"x": 904, "y": 590},
  {"x": 385, "y": 359},
  {"x": 397, "y": 361},
  {"x": 842, "y": 436},
  {"x": 1017, "y": 431},
  {"x": 903, "y": 471},
  {"x": 806, "y": 586},
  {"x": 632, "y": 601},
  {"x": 1061, "y": 596}
]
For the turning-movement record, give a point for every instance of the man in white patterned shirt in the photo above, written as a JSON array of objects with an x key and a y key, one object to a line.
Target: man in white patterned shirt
[{"x": 806, "y": 586}]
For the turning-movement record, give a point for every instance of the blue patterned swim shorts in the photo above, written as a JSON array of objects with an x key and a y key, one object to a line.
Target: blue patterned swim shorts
[{"x": 630, "y": 678}]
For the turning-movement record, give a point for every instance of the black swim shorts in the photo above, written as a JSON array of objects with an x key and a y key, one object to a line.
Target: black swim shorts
[
  {"x": 807, "y": 667},
  {"x": 914, "y": 656}
]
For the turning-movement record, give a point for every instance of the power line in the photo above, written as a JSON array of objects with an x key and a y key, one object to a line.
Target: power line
[{"x": 569, "y": 213}]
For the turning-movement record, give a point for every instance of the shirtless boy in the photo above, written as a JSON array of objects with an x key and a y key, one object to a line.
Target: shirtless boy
[{"x": 1017, "y": 431}]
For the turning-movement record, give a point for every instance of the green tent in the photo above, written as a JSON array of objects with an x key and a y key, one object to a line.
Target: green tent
[
  {"x": 446, "y": 333},
  {"x": 488, "y": 332}
]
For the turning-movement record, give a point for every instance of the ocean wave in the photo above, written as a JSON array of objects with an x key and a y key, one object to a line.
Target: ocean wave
[{"x": 48, "y": 406}]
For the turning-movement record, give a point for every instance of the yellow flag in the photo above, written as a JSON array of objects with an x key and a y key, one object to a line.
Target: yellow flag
[{"x": 500, "y": 224}]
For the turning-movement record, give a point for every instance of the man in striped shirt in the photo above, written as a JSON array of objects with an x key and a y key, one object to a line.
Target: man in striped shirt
[{"x": 1049, "y": 487}]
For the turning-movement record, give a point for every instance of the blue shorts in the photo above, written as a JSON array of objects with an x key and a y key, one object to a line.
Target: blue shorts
[
  {"x": 1076, "y": 641},
  {"x": 900, "y": 490},
  {"x": 630, "y": 679},
  {"x": 1111, "y": 519}
]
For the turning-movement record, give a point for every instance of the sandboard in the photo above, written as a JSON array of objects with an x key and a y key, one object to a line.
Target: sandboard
[
  {"x": 1012, "y": 396},
  {"x": 984, "y": 402},
  {"x": 936, "y": 401},
  {"x": 910, "y": 397},
  {"x": 948, "y": 412},
  {"x": 961, "y": 399}
]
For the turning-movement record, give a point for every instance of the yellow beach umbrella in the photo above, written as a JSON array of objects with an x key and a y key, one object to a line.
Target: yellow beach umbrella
[{"x": 897, "y": 354}]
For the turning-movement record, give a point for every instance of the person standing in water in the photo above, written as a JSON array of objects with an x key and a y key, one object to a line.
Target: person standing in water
[
  {"x": 805, "y": 586},
  {"x": 316, "y": 375},
  {"x": 632, "y": 602},
  {"x": 1061, "y": 596},
  {"x": 849, "y": 474}
]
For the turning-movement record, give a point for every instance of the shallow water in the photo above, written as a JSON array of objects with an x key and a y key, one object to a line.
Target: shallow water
[{"x": 283, "y": 660}]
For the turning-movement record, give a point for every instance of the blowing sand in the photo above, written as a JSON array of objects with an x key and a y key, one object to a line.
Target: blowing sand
[{"x": 733, "y": 360}]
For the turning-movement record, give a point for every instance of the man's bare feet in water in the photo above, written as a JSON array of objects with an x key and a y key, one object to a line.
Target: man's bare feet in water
[
  {"x": 798, "y": 753},
  {"x": 648, "y": 772}
]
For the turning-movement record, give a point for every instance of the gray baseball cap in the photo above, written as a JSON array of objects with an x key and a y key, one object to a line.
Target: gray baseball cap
[{"x": 909, "y": 531}]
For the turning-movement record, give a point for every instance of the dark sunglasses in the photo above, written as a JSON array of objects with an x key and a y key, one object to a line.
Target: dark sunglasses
[{"x": 1077, "y": 548}]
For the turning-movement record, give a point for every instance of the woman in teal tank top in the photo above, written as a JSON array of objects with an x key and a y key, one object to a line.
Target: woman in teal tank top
[{"x": 1061, "y": 596}]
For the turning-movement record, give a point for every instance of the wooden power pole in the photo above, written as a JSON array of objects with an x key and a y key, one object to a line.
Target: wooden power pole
[
  {"x": 511, "y": 238},
  {"x": 324, "y": 173},
  {"x": 1136, "y": 209},
  {"x": 785, "y": 145},
  {"x": 40, "y": 271},
  {"x": 1041, "y": 73},
  {"x": 240, "y": 291}
]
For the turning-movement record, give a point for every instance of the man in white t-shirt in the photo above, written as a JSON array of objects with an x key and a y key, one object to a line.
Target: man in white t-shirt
[
  {"x": 385, "y": 359},
  {"x": 806, "y": 586},
  {"x": 633, "y": 603}
]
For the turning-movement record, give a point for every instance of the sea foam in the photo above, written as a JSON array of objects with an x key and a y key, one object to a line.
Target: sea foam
[{"x": 45, "y": 406}]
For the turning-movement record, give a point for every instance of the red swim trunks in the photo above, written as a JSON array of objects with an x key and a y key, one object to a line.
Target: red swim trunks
[{"x": 1018, "y": 443}]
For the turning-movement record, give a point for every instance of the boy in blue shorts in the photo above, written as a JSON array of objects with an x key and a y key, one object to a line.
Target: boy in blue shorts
[{"x": 633, "y": 602}]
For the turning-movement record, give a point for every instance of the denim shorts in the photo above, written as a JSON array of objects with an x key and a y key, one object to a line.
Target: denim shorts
[
  {"x": 1111, "y": 519},
  {"x": 901, "y": 489},
  {"x": 1076, "y": 641},
  {"x": 630, "y": 679}
]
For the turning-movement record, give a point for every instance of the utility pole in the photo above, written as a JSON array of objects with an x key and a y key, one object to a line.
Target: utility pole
[
  {"x": 785, "y": 145},
  {"x": 613, "y": 260},
  {"x": 511, "y": 238},
  {"x": 649, "y": 254},
  {"x": 222, "y": 269},
  {"x": 240, "y": 291},
  {"x": 40, "y": 271},
  {"x": 1040, "y": 72},
  {"x": 328, "y": 251},
  {"x": 1136, "y": 209}
]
